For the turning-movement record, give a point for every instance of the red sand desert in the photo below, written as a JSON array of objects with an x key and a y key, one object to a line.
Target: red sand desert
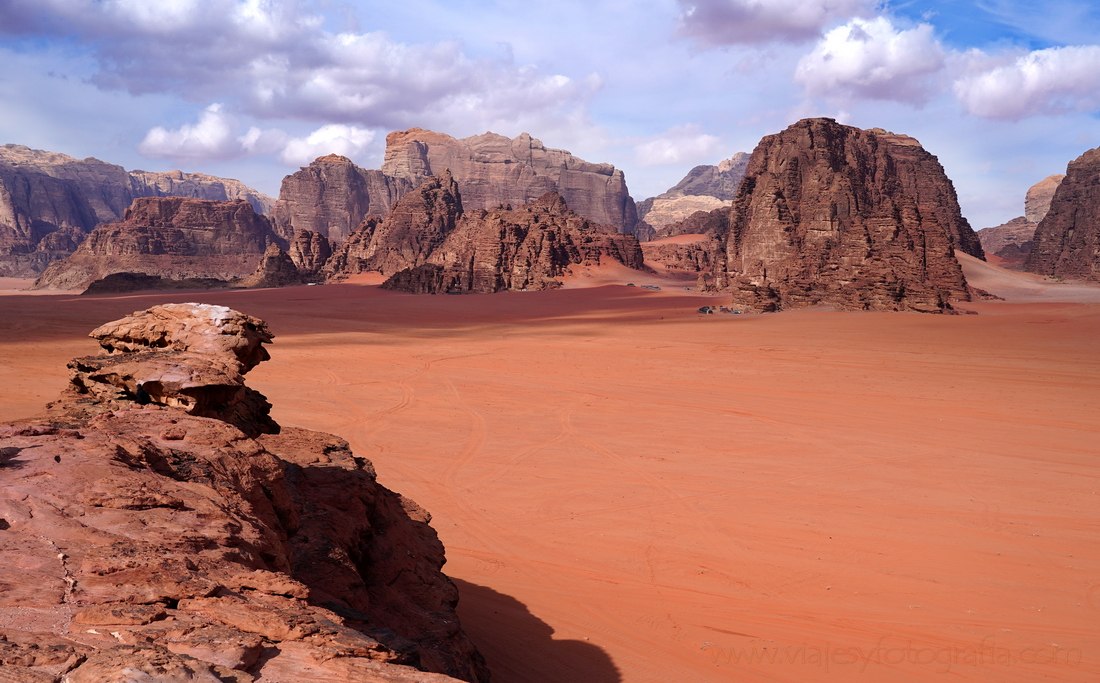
[{"x": 631, "y": 491}]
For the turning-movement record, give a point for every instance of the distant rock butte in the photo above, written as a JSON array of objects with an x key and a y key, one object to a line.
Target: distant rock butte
[
  {"x": 50, "y": 201},
  {"x": 309, "y": 251},
  {"x": 1067, "y": 241},
  {"x": 493, "y": 171},
  {"x": 276, "y": 269},
  {"x": 1039, "y": 196},
  {"x": 1011, "y": 242},
  {"x": 172, "y": 238},
  {"x": 526, "y": 248},
  {"x": 856, "y": 219},
  {"x": 704, "y": 188},
  {"x": 156, "y": 524}
]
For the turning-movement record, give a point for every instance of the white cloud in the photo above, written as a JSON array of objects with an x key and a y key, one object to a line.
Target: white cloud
[
  {"x": 873, "y": 59},
  {"x": 210, "y": 138},
  {"x": 681, "y": 145},
  {"x": 263, "y": 141},
  {"x": 1050, "y": 81},
  {"x": 348, "y": 141},
  {"x": 726, "y": 22}
]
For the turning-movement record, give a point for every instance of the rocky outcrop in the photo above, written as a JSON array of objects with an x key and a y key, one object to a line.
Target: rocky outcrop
[
  {"x": 495, "y": 171},
  {"x": 418, "y": 224},
  {"x": 856, "y": 219},
  {"x": 1039, "y": 197},
  {"x": 1067, "y": 241},
  {"x": 704, "y": 188},
  {"x": 172, "y": 238},
  {"x": 50, "y": 201},
  {"x": 332, "y": 196},
  {"x": 687, "y": 254},
  {"x": 147, "y": 537},
  {"x": 117, "y": 283},
  {"x": 276, "y": 269},
  {"x": 526, "y": 248},
  {"x": 309, "y": 251}
]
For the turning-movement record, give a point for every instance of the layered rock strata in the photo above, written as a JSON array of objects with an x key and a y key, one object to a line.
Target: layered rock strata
[
  {"x": 147, "y": 537},
  {"x": 1067, "y": 241},
  {"x": 704, "y": 188}
]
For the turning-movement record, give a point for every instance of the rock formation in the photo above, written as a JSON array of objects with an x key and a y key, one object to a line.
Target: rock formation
[
  {"x": 835, "y": 215},
  {"x": 704, "y": 188},
  {"x": 418, "y": 224},
  {"x": 1067, "y": 241},
  {"x": 50, "y": 201},
  {"x": 332, "y": 196},
  {"x": 1011, "y": 242},
  {"x": 147, "y": 537},
  {"x": 309, "y": 251},
  {"x": 172, "y": 238},
  {"x": 276, "y": 269},
  {"x": 493, "y": 171},
  {"x": 526, "y": 248}
]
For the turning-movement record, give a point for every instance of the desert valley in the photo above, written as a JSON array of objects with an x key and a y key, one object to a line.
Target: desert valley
[{"x": 791, "y": 420}]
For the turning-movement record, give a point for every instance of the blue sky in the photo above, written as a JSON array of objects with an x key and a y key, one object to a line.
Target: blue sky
[{"x": 1004, "y": 93}]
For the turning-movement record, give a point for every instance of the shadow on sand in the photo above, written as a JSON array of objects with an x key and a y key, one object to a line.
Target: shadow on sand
[{"x": 520, "y": 647}]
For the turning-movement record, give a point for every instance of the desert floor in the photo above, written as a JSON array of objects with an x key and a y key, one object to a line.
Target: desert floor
[{"x": 631, "y": 491}]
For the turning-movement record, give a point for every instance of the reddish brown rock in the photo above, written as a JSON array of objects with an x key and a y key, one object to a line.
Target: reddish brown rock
[
  {"x": 142, "y": 539},
  {"x": 50, "y": 201},
  {"x": 276, "y": 269},
  {"x": 1009, "y": 244},
  {"x": 1039, "y": 197},
  {"x": 835, "y": 215},
  {"x": 526, "y": 248},
  {"x": 418, "y": 224},
  {"x": 1067, "y": 241},
  {"x": 493, "y": 170},
  {"x": 172, "y": 238},
  {"x": 694, "y": 255},
  {"x": 332, "y": 196},
  {"x": 309, "y": 251}
]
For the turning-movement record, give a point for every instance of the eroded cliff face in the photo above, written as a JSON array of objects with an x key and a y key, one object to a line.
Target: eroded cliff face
[
  {"x": 332, "y": 196},
  {"x": 704, "y": 188},
  {"x": 50, "y": 201},
  {"x": 857, "y": 219},
  {"x": 526, "y": 248},
  {"x": 157, "y": 523},
  {"x": 494, "y": 171},
  {"x": 172, "y": 238},
  {"x": 1011, "y": 242},
  {"x": 1067, "y": 241}
]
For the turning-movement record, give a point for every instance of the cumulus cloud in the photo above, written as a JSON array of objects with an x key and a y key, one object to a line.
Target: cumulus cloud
[
  {"x": 681, "y": 145},
  {"x": 873, "y": 59},
  {"x": 348, "y": 141},
  {"x": 211, "y": 137},
  {"x": 1051, "y": 81},
  {"x": 727, "y": 22}
]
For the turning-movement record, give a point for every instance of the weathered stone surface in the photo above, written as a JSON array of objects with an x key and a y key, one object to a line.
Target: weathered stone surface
[
  {"x": 693, "y": 256},
  {"x": 493, "y": 171},
  {"x": 1067, "y": 241},
  {"x": 526, "y": 248},
  {"x": 859, "y": 219},
  {"x": 50, "y": 201},
  {"x": 276, "y": 269},
  {"x": 704, "y": 188},
  {"x": 147, "y": 542},
  {"x": 172, "y": 238},
  {"x": 117, "y": 283},
  {"x": 332, "y": 196},
  {"x": 1010, "y": 243},
  {"x": 309, "y": 251},
  {"x": 418, "y": 224},
  {"x": 1039, "y": 197}
]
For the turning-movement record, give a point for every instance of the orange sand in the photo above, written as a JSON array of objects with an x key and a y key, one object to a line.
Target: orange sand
[{"x": 630, "y": 491}]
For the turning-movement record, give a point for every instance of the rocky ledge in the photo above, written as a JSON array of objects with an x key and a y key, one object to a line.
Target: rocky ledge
[{"x": 157, "y": 524}]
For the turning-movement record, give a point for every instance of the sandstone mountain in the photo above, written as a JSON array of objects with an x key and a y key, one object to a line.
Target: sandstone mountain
[
  {"x": 493, "y": 170},
  {"x": 526, "y": 248},
  {"x": 276, "y": 269},
  {"x": 704, "y": 188},
  {"x": 50, "y": 201},
  {"x": 857, "y": 219},
  {"x": 1011, "y": 242},
  {"x": 158, "y": 525},
  {"x": 1067, "y": 241},
  {"x": 332, "y": 196},
  {"x": 309, "y": 251},
  {"x": 172, "y": 238}
]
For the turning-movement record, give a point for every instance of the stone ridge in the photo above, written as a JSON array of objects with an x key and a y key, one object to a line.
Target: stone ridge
[
  {"x": 834, "y": 215},
  {"x": 704, "y": 188},
  {"x": 1067, "y": 241},
  {"x": 146, "y": 535},
  {"x": 50, "y": 201},
  {"x": 170, "y": 237}
]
